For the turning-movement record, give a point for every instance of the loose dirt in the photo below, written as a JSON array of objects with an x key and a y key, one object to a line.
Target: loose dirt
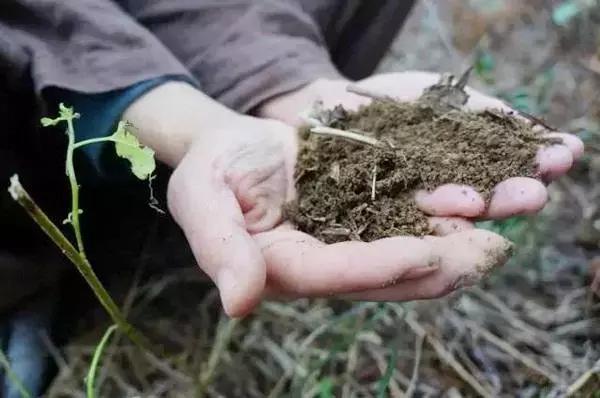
[{"x": 353, "y": 190}]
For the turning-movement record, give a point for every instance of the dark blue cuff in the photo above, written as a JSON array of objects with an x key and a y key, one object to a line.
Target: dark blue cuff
[{"x": 99, "y": 116}]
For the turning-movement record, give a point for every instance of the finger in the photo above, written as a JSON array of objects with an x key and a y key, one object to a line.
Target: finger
[
  {"x": 443, "y": 226},
  {"x": 214, "y": 226},
  {"x": 465, "y": 259},
  {"x": 265, "y": 201},
  {"x": 554, "y": 161},
  {"x": 410, "y": 89},
  {"x": 571, "y": 141},
  {"x": 302, "y": 266},
  {"x": 451, "y": 200},
  {"x": 479, "y": 102},
  {"x": 517, "y": 196}
]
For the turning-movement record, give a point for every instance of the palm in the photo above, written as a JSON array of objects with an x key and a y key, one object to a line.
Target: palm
[{"x": 227, "y": 195}]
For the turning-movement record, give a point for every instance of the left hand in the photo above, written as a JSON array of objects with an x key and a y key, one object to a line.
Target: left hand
[{"x": 512, "y": 197}]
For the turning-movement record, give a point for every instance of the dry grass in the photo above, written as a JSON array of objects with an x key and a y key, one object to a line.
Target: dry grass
[{"x": 532, "y": 331}]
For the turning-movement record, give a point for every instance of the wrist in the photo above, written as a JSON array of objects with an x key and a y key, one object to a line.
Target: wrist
[{"x": 171, "y": 116}]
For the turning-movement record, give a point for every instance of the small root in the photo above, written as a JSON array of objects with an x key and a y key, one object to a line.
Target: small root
[
  {"x": 373, "y": 183},
  {"x": 348, "y": 135}
]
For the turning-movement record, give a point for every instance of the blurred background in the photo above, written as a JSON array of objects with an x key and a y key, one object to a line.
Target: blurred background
[{"x": 532, "y": 330}]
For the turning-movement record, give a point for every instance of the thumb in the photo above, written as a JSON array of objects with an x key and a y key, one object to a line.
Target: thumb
[{"x": 213, "y": 223}]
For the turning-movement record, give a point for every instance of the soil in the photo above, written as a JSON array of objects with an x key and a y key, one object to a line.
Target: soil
[{"x": 349, "y": 189}]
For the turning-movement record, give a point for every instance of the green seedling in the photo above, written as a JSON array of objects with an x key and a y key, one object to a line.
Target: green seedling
[{"x": 142, "y": 164}]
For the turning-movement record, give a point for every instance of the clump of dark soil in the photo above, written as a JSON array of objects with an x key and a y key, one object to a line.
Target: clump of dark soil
[{"x": 353, "y": 190}]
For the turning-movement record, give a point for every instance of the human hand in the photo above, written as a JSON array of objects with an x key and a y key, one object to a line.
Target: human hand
[
  {"x": 515, "y": 196},
  {"x": 232, "y": 175},
  {"x": 227, "y": 194}
]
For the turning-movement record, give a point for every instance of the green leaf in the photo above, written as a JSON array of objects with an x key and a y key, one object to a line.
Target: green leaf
[
  {"x": 65, "y": 114},
  {"x": 485, "y": 62},
  {"x": 564, "y": 13},
  {"x": 521, "y": 100},
  {"x": 326, "y": 388},
  {"x": 46, "y": 121},
  {"x": 140, "y": 157},
  {"x": 485, "y": 65}
]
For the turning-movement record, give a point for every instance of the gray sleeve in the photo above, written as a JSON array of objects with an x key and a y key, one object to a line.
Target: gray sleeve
[
  {"x": 88, "y": 46},
  {"x": 241, "y": 51}
]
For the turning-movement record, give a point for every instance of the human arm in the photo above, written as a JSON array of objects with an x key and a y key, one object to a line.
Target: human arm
[{"x": 275, "y": 59}]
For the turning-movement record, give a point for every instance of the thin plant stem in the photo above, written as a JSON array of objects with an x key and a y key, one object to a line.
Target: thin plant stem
[
  {"x": 415, "y": 374},
  {"x": 12, "y": 377},
  {"x": 92, "y": 141},
  {"x": 222, "y": 341},
  {"x": 91, "y": 376},
  {"x": 20, "y": 195},
  {"x": 446, "y": 355},
  {"x": 583, "y": 380},
  {"x": 74, "y": 216},
  {"x": 98, "y": 140}
]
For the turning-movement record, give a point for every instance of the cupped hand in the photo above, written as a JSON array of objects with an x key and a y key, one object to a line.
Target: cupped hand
[
  {"x": 514, "y": 196},
  {"x": 227, "y": 195}
]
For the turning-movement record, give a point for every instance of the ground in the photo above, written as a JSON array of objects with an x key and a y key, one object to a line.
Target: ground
[{"x": 532, "y": 330}]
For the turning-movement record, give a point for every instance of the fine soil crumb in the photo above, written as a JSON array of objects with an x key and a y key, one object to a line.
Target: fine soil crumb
[{"x": 350, "y": 190}]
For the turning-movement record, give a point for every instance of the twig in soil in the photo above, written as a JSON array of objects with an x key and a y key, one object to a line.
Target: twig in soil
[
  {"x": 373, "y": 183},
  {"x": 509, "y": 349},
  {"x": 535, "y": 121},
  {"x": 415, "y": 375},
  {"x": 446, "y": 356},
  {"x": 464, "y": 78},
  {"x": 583, "y": 379},
  {"x": 348, "y": 135},
  {"x": 363, "y": 92}
]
